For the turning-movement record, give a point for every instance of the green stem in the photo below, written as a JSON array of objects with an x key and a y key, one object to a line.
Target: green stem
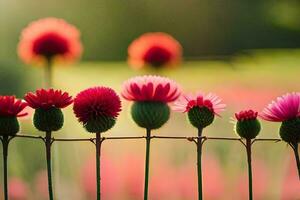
[
  {"x": 48, "y": 73},
  {"x": 98, "y": 167},
  {"x": 295, "y": 148},
  {"x": 248, "y": 148},
  {"x": 5, "y": 142},
  {"x": 199, "y": 163},
  {"x": 48, "y": 143},
  {"x": 148, "y": 139}
]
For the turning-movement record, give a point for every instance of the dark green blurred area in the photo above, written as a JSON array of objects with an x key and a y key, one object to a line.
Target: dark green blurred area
[{"x": 204, "y": 27}]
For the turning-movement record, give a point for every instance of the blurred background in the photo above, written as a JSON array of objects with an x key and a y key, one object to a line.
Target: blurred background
[{"x": 247, "y": 52}]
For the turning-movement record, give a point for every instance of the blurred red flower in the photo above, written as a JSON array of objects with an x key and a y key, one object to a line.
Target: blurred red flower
[
  {"x": 48, "y": 39},
  {"x": 154, "y": 49},
  {"x": 46, "y": 99}
]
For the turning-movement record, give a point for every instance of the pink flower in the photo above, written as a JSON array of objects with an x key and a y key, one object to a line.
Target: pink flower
[
  {"x": 18, "y": 189},
  {"x": 96, "y": 102},
  {"x": 210, "y": 101},
  {"x": 246, "y": 115},
  {"x": 284, "y": 108},
  {"x": 49, "y": 38},
  {"x": 11, "y": 107},
  {"x": 155, "y": 49},
  {"x": 46, "y": 99},
  {"x": 150, "y": 88}
]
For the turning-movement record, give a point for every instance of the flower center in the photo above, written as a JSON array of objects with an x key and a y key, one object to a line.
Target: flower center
[
  {"x": 50, "y": 44},
  {"x": 157, "y": 56}
]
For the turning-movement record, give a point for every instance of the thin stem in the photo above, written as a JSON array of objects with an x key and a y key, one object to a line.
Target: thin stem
[
  {"x": 48, "y": 73},
  {"x": 199, "y": 163},
  {"x": 98, "y": 167},
  {"x": 148, "y": 139},
  {"x": 248, "y": 148},
  {"x": 48, "y": 142},
  {"x": 295, "y": 148},
  {"x": 189, "y": 138},
  {"x": 5, "y": 142}
]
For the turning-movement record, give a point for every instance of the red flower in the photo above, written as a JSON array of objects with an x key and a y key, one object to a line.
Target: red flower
[
  {"x": 96, "y": 102},
  {"x": 150, "y": 88},
  {"x": 156, "y": 49},
  {"x": 11, "y": 107},
  {"x": 49, "y": 38},
  {"x": 46, "y": 99},
  {"x": 246, "y": 115}
]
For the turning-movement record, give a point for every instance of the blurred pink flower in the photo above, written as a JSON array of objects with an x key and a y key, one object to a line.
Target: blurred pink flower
[
  {"x": 132, "y": 176},
  {"x": 110, "y": 180},
  {"x": 18, "y": 189},
  {"x": 213, "y": 180},
  {"x": 290, "y": 183},
  {"x": 41, "y": 185},
  {"x": 260, "y": 182},
  {"x": 246, "y": 96},
  {"x": 163, "y": 181}
]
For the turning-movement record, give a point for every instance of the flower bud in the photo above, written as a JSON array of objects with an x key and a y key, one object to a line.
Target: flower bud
[{"x": 150, "y": 115}]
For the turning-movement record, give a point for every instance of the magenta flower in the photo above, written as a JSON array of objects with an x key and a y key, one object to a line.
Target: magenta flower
[
  {"x": 210, "y": 101},
  {"x": 284, "y": 108},
  {"x": 150, "y": 88}
]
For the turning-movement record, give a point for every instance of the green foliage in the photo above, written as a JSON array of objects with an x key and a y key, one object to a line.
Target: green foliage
[
  {"x": 200, "y": 117},
  {"x": 248, "y": 129},
  {"x": 100, "y": 125},
  {"x": 48, "y": 120},
  {"x": 9, "y": 126},
  {"x": 150, "y": 115}
]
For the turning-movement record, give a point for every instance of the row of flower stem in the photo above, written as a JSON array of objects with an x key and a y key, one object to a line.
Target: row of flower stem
[{"x": 199, "y": 141}]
